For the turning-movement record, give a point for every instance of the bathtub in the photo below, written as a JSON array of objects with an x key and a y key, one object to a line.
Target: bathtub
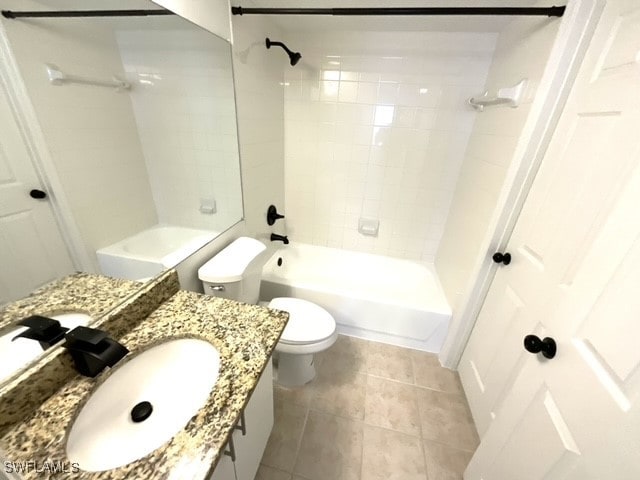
[
  {"x": 151, "y": 251},
  {"x": 378, "y": 298}
]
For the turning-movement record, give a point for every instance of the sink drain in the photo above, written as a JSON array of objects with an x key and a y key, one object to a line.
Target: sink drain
[{"x": 141, "y": 412}]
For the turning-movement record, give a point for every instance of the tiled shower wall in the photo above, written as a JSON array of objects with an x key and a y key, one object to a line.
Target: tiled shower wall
[
  {"x": 522, "y": 51},
  {"x": 259, "y": 99},
  {"x": 376, "y": 126},
  {"x": 184, "y": 106}
]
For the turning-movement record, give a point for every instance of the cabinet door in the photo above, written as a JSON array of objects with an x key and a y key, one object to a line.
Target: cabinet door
[
  {"x": 225, "y": 469},
  {"x": 258, "y": 418}
]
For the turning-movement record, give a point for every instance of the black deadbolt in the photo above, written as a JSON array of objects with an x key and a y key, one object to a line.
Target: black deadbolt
[
  {"x": 504, "y": 258},
  {"x": 141, "y": 412},
  {"x": 547, "y": 345},
  {"x": 39, "y": 194}
]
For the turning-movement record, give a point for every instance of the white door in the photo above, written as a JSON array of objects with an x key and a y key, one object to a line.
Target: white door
[
  {"x": 573, "y": 277},
  {"x": 32, "y": 251}
]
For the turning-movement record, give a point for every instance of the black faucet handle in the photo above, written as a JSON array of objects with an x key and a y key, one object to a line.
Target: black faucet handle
[
  {"x": 92, "y": 350},
  {"x": 46, "y": 331},
  {"x": 85, "y": 338},
  {"x": 273, "y": 215}
]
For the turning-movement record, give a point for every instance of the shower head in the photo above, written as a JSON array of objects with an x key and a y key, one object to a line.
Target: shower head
[{"x": 293, "y": 56}]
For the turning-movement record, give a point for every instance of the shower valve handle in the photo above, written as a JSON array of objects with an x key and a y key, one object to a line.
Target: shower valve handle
[
  {"x": 504, "y": 258},
  {"x": 273, "y": 215}
]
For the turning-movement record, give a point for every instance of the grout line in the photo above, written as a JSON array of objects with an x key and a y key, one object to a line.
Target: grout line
[
  {"x": 410, "y": 384},
  {"x": 304, "y": 428},
  {"x": 392, "y": 430},
  {"x": 337, "y": 415},
  {"x": 448, "y": 445},
  {"x": 424, "y": 456}
]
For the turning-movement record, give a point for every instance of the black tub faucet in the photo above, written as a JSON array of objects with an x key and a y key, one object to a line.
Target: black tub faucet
[
  {"x": 279, "y": 238},
  {"x": 92, "y": 350}
]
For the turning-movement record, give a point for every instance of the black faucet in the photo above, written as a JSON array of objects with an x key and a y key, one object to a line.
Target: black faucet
[
  {"x": 44, "y": 330},
  {"x": 92, "y": 350},
  {"x": 279, "y": 238}
]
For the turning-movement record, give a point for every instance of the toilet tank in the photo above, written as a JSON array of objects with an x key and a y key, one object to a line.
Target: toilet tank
[{"x": 235, "y": 272}]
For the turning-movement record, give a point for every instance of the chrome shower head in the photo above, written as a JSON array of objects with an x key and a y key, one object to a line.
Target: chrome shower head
[{"x": 294, "y": 57}]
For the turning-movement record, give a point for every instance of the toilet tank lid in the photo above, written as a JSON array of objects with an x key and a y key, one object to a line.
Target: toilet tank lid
[{"x": 230, "y": 263}]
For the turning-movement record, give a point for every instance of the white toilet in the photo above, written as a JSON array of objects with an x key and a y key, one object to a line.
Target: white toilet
[{"x": 235, "y": 273}]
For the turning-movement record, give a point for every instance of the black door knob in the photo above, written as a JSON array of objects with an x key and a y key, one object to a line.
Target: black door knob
[
  {"x": 504, "y": 258},
  {"x": 547, "y": 345},
  {"x": 273, "y": 215},
  {"x": 39, "y": 194}
]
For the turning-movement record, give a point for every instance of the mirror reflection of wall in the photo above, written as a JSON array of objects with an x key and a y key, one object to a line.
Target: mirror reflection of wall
[{"x": 144, "y": 172}]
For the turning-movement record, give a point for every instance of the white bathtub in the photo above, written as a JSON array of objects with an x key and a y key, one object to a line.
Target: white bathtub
[
  {"x": 379, "y": 298},
  {"x": 151, "y": 251}
]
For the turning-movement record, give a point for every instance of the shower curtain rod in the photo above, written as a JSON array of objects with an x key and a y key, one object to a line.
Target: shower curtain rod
[
  {"x": 553, "y": 11},
  {"x": 84, "y": 13}
]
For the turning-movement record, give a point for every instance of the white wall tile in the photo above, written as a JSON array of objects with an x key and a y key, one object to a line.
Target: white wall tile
[
  {"x": 260, "y": 91},
  {"x": 521, "y": 51},
  {"x": 365, "y": 145}
]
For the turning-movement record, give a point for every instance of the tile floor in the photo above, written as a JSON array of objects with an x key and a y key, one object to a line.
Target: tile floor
[{"x": 374, "y": 411}]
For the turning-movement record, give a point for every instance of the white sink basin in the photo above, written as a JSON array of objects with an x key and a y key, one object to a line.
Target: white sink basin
[{"x": 175, "y": 377}]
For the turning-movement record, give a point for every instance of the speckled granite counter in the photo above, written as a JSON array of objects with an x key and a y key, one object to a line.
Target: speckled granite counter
[
  {"x": 245, "y": 336},
  {"x": 80, "y": 292},
  {"x": 117, "y": 305}
]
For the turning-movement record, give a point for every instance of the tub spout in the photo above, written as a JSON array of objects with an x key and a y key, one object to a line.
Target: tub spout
[{"x": 279, "y": 238}]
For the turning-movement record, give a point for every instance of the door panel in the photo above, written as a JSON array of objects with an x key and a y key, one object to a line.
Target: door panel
[
  {"x": 577, "y": 272},
  {"x": 548, "y": 459},
  {"x": 32, "y": 251}
]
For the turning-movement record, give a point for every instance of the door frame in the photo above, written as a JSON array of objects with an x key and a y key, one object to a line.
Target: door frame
[
  {"x": 574, "y": 36},
  {"x": 33, "y": 137}
]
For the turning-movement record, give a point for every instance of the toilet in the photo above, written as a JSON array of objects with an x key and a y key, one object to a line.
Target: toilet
[{"x": 235, "y": 273}]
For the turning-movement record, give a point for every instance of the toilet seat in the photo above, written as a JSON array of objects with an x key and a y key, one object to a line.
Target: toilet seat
[{"x": 308, "y": 322}]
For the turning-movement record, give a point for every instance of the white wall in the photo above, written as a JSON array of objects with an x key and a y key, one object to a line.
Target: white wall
[
  {"x": 214, "y": 15},
  {"x": 376, "y": 126},
  {"x": 185, "y": 112},
  {"x": 522, "y": 52},
  {"x": 90, "y": 131},
  {"x": 259, "y": 98}
]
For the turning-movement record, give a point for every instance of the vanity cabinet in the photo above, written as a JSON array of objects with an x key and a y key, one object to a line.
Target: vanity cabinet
[{"x": 249, "y": 445}]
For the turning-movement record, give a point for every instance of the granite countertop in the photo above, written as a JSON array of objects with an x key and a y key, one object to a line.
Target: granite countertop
[
  {"x": 88, "y": 293},
  {"x": 245, "y": 335},
  {"x": 116, "y": 305}
]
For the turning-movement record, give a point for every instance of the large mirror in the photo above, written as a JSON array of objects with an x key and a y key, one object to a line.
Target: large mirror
[{"x": 118, "y": 143}]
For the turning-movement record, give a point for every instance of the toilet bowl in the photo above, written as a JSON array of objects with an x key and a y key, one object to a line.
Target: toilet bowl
[
  {"x": 235, "y": 273},
  {"x": 311, "y": 329}
]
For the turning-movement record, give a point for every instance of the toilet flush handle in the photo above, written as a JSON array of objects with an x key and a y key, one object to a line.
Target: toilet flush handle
[{"x": 217, "y": 288}]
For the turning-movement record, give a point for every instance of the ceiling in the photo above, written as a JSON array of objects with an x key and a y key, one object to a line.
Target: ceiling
[{"x": 297, "y": 23}]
